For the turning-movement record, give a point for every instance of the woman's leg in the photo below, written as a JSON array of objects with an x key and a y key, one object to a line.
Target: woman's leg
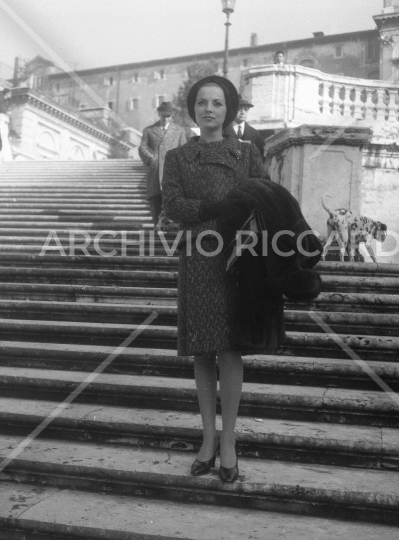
[
  {"x": 231, "y": 377},
  {"x": 206, "y": 383}
]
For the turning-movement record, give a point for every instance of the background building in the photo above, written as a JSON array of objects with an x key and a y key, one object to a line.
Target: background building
[
  {"x": 134, "y": 91},
  {"x": 123, "y": 99}
]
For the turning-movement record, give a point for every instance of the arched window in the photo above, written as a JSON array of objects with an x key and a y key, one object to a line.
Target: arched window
[{"x": 76, "y": 154}]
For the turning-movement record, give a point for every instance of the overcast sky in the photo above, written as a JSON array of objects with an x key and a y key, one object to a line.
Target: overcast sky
[{"x": 91, "y": 33}]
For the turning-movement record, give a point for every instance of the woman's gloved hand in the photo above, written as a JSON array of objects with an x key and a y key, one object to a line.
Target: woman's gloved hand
[{"x": 233, "y": 210}]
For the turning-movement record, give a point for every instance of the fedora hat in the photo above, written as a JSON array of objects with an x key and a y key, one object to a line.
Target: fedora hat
[
  {"x": 244, "y": 102},
  {"x": 166, "y": 107}
]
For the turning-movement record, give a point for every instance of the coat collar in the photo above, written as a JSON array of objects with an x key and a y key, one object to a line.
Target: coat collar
[
  {"x": 157, "y": 128},
  {"x": 221, "y": 152}
]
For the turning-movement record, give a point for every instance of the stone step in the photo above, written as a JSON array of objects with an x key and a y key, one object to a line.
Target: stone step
[
  {"x": 28, "y": 233},
  {"x": 114, "y": 163},
  {"x": 337, "y": 300},
  {"x": 361, "y": 269},
  {"x": 388, "y": 275},
  {"x": 81, "y": 180},
  {"x": 93, "y": 248},
  {"x": 259, "y": 400},
  {"x": 103, "y": 238},
  {"x": 320, "y": 490},
  {"x": 64, "y": 514},
  {"x": 79, "y": 261},
  {"x": 102, "y": 277},
  {"x": 41, "y": 182},
  {"x": 288, "y": 440},
  {"x": 385, "y": 348},
  {"x": 72, "y": 193},
  {"x": 131, "y": 198},
  {"x": 353, "y": 283},
  {"x": 79, "y": 309},
  {"x": 48, "y": 178},
  {"x": 350, "y": 302},
  {"x": 67, "y": 212},
  {"x": 71, "y": 167},
  {"x": 116, "y": 292},
  {"x": 268, "y": 369},
  {"x": 83, "y": 311},
  {"x": 88, "y": 293},
  {"x": 49, "y": 206},
  {"x": 91, "y": 205},
  {"x": 102, "y": 223}
]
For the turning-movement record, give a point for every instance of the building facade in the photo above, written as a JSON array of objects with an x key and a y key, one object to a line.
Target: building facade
[{"x": 133, "y": 91}]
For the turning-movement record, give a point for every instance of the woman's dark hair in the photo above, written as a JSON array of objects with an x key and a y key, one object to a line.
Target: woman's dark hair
[{"x": 229, "y": 91}]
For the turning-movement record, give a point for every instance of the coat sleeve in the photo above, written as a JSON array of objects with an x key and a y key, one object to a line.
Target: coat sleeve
[
  {"x": 176, "y": 205},
  {"x": 145, "y": 152}
]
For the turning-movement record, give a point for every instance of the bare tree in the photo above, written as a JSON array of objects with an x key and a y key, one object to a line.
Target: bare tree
[{"x": 195, "y": 72}]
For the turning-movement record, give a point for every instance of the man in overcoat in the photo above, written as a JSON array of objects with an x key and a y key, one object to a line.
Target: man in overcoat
[
  {"x": 156, "y": 141},
  {"x": 242, "y": 130}
]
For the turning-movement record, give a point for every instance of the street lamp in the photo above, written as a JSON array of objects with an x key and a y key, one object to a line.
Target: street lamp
[{"x": 228, "y": 8}]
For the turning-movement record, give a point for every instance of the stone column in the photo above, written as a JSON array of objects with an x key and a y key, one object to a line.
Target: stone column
[
  {"x": 313, "y": 161},
  {"x": 388, "y": 25}
]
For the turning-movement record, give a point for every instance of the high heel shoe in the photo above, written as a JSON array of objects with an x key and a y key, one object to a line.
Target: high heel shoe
[
  {"x": 198, "y": 468},
  {"x": 229, "y": 474}
]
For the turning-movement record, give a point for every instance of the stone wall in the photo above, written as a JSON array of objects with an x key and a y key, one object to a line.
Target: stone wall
[
  {"x": 357, "y": 169},
  {"x": 379, "y": 190}
]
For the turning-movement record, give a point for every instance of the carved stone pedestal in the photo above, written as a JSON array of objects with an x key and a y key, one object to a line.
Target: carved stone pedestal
[{"x": 313, "y": 161}]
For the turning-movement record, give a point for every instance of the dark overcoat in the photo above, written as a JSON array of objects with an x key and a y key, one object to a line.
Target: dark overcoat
[
  {"x": 152, "y": 150},
  {"x": 250, "y": 134},
  {"x": 207, "y": 296}
]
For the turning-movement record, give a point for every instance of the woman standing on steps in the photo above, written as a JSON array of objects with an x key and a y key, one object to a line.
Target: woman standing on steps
[{"x": 197, "y": 177}]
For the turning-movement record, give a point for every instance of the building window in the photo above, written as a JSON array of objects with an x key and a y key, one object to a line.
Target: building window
[
  {"x": 108, "y": 81},
  {"x": 159, "y": 75},
  {"x": 159, "y": 99},
  {"x": 111, "y": 105},
  {"x": 82, "y": 105},
  {"x": 135, "y": 79},
  {"x": 36, "y": 82},
  {"x": 338, "y": 52},
  {"x": 133, "y": 104},
  {"x": 373, "y": 50},
  {"x": 245, "y": 63}
]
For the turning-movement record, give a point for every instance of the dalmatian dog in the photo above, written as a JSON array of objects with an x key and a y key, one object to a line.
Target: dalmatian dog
[{"x": 350, "y": 229}]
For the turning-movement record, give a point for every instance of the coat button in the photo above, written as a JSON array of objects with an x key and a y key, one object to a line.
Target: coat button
[{"x": 230, "y": 172}]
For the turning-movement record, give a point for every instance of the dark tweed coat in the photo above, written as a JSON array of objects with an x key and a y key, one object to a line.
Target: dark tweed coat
[
  {"x": 152, "y": 150},
  {"x": 207, "y": 298}
]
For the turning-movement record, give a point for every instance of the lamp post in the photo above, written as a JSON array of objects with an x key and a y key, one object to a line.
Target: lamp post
[{"x": 228, "y": 8}]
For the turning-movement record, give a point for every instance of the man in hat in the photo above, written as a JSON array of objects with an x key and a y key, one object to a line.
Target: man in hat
[
  {"x": 156, "y": 141},
  {"x": 242, "y": 130}
]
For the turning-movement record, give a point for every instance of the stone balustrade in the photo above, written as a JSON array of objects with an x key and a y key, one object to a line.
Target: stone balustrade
[{"x": 293, "y": 95}]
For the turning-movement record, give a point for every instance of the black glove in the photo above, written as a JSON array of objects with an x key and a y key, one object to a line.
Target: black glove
[{"x": 232, "y": 210}]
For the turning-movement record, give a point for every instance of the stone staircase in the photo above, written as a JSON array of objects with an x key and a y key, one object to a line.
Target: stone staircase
[{"x": 318, "y": 439}]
